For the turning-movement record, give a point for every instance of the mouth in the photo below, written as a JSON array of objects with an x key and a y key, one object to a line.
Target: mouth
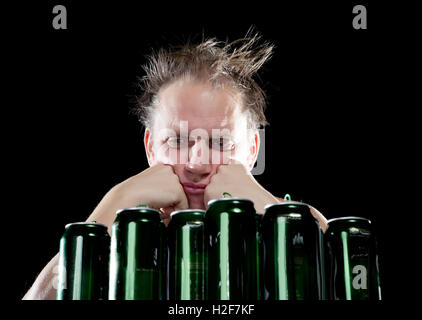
[{"x": 191, "y": 188}]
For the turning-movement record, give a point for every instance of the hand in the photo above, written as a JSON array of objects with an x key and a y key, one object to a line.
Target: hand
[
  {"x": 158, "y": 187},
  {"x": 236, "y": 179}
]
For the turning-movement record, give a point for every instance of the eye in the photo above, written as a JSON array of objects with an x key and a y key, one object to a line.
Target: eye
[
  {"x": 222, "y": 144},
  {"x": 176, "y": 142}
]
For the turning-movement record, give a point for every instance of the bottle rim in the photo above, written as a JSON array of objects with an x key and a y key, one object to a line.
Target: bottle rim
[
  {"x": 228, "y": 199},
  {"x": 348, "y": 218},
  {"x": 139, "y": 209},
  {"x": 285, "y": 203},
  {"x": 90, "y": 223},
  {"x": 186, "y": 210}
]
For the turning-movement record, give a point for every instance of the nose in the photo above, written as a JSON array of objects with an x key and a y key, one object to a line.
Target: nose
[{"x": 198, "y": 164}]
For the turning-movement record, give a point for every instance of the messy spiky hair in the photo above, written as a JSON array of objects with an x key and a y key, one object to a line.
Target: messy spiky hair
[{"x": 235, "y": 63}]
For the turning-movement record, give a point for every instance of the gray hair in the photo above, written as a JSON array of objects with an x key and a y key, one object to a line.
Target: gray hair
[{"x": 216, "y": 62}]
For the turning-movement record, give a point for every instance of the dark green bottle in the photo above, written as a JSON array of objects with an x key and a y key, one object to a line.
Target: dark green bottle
[
  {"x": 351, "y": 260},
  {"x": 259, "y": 257},
  {"x": 230, "y": 233},
  {"x": 186, "y": 243},
  {"x": 292, "y": 256},
  {"x": 83, "y": 262},
  {"x": 137, "y": 257}
]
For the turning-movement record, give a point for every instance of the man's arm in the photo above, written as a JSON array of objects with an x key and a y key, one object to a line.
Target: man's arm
[
  {"x": 157, "y": 186},
  {"x": 44, "y": 287}
]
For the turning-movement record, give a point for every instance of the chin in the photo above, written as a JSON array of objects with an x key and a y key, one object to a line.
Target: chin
[{"x": 196, "y": 202}]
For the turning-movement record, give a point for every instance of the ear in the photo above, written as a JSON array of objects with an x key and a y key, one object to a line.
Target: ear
[
  {"x": 148, "y": 146},
  {"x": 253, "y": 149}
]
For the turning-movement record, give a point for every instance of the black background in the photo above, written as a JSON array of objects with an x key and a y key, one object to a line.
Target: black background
[{"x": 332, "y": 107}]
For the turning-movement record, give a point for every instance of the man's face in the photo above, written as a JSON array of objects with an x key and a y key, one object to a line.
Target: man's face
[{"x": 197, "y": 128}]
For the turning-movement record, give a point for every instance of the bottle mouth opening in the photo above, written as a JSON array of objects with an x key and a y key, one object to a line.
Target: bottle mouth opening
[
  {"x": 187, "y": 211},
  {"x": 361, "y": 219},
  {"x": 285, "y": 203},
  {"x": 138, "y": 209},
  {"x": 91, "y": 223},
  {"x": 229, "y": 199}
]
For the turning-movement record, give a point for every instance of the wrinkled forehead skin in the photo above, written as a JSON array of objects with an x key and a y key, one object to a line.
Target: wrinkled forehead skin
[{"x": 202, "y": 106}]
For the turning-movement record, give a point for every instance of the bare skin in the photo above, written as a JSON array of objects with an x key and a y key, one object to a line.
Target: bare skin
[{"x": 170, "y": 185}]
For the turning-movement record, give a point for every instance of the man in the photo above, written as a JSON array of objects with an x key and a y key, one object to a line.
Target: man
[{"x": 201, "y": 109}]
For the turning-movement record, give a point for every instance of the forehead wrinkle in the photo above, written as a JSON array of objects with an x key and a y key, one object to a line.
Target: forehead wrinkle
[
  {"x": 203, "y": 107},
  {"x": 173, "y": 119}
]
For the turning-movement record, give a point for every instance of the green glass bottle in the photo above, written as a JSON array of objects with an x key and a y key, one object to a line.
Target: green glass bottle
[
  {"x": 292, "y": 256},
  {"x": 351, "y": 260},
  {"x": 186, "y": 243},
  {"x": 259, "y": 257},
  {"x": 230, "y": 233},
  {"x": 83, "y": 262},
  {"x": 137, "y": 256}
]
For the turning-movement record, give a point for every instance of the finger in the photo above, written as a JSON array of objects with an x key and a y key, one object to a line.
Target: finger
[
  {"x": 183, "y": 203},
  {"x": 165, "y": 212},
  {"x": 166, "y": 221},
  {"x": 165, "y": 215}
]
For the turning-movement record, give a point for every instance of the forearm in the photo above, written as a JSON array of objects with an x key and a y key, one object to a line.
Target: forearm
[
  {"x": 127, "y": 194},
  {"x": 114, "y": 200},
  {"x": 45, "y": 286}
]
